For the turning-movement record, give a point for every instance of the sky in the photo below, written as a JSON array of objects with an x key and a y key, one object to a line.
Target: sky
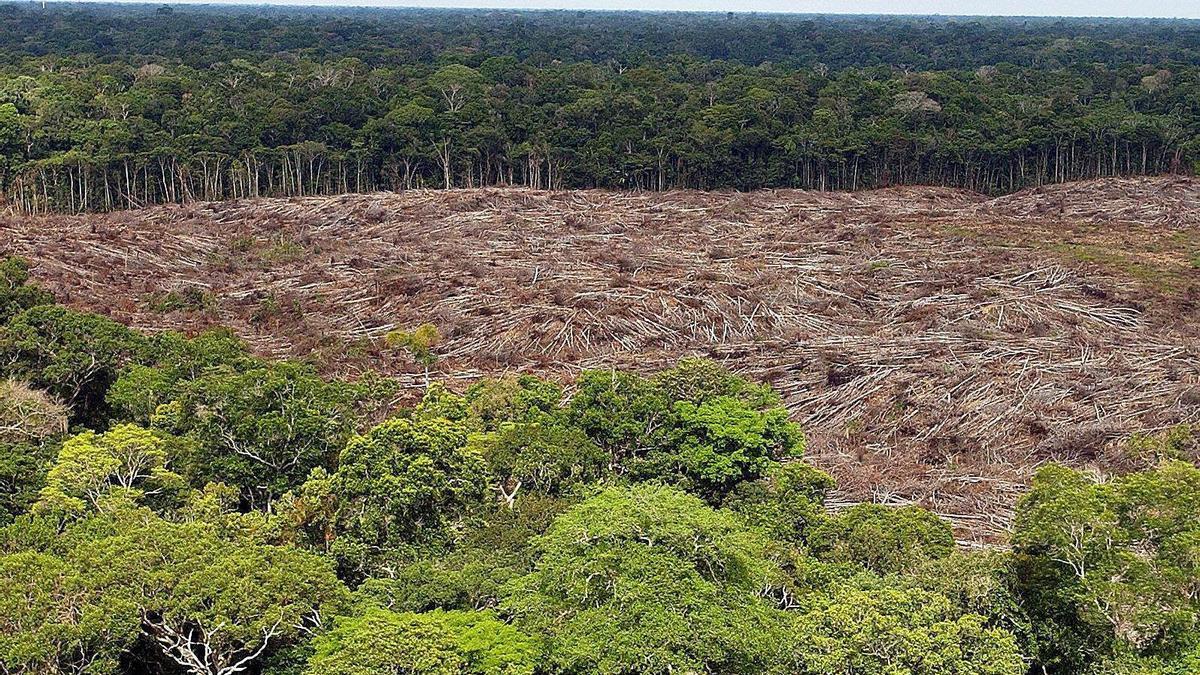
[{"x": 1107, "y": 8}]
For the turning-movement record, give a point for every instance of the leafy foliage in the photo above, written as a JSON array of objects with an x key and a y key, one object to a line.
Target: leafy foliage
[
  {"x": 1120, "y": 560},
  {"x": 723, "y": 442},
  {"x": 882, "y": 539},
  {"x": 54, "y": 622},
  {"x": 429, "y": 643},
  {"x": 90, "y": 467},
  {"x": 521, "y": 399},
  {"x": 73, "y": 355},
  {"x": 16, "y": 293},
  {"x": 207, "y": 603},
  {"x": 649, "y": 579},
  {"x": 787, "y": 504},
  {"x": 420, "y": 343},
  {"x": 697, "y": 426},
  {"x": 546, "y": 457},
  {"x": 262, "y": 429},
  {"x": 884, "y": 630},
  {"x": 404, "y": 483},
  {"x": 171, "y": 362},
  {"x": 392, "y": 100},
  {"x": 30, "y": 425}
]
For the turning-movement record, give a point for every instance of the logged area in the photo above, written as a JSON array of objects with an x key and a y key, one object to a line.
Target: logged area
[{"x": 936, "y": 345}]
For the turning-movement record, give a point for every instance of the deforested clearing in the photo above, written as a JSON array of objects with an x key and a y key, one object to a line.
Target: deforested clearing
[{"x": 936, "y": 345}]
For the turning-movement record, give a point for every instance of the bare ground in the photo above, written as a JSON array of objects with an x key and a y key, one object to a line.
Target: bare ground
[{"x": 937, "y": 346}]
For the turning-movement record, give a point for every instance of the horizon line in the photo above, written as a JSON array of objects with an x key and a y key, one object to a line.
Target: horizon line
[{"x": 470, "y": 6}]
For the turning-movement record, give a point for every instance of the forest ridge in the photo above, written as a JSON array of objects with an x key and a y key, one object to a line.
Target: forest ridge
[{"x": 107, "y": 107}]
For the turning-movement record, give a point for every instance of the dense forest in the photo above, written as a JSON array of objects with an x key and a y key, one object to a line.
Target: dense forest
[
  {"x": 174, "y": 504},
  {"x": 106, "y": 107}
]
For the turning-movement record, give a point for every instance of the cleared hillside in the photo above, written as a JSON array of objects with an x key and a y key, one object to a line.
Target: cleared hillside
[{"x": 935, "y": 344}]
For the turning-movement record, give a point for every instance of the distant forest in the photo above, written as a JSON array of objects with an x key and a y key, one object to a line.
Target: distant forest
[{"x": 105, "y": 106}]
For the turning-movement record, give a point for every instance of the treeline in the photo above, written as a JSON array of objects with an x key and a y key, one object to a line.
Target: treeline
[
  {"x": 80, "y": 137},
  {"x": 174, "y": 504},
  {"x": 96, "y": 127},
  {"x": 201, "y": 36}
]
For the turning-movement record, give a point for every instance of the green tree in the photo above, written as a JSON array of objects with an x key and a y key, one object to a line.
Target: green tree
[
  {"x": 722, "y": 442},
  {"x": 886, "y": 630},
  {"x": 171, "y": 362},
  {"x": 623, "y": 413},
  {"x": 383, "y": 642},
  {"x": 420, "y": 342},
  {"x": 1183, "y": 664},
  {"x": 53, "y": 622},
  {"x": 423, "y": 644},
  {"x": 16, "y": 293},
  {"x": 263, "y": 429},
  {"x": 31, "y": 423},
  {"x": 402, "y": 486},
  {"x": 548, "y": 458},
  {"x": 211, "y": 606},
  {"x": 73, "y": 355},
  {"x": 649, "y": 579},
  {"x": 882, "y": 539},
  {"x": 978, "y": 582},
  {"x": 697, "y": 380},
  {"x": 787, "y": 504},
  {"x": 1122, "y": 558},
  {"x": 697, "y": 426},
  {"x": 489, "y": 553},
  {"x": 127, "y": 459},
  {"x": 522, "y": 399}
]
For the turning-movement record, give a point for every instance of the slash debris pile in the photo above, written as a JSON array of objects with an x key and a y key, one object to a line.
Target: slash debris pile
[
  {"x": 1166, "y": 201},
  {"x": 925, "y": 364}
]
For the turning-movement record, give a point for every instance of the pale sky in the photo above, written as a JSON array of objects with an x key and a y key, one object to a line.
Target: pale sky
[{"x": 1189, "y": 9}]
